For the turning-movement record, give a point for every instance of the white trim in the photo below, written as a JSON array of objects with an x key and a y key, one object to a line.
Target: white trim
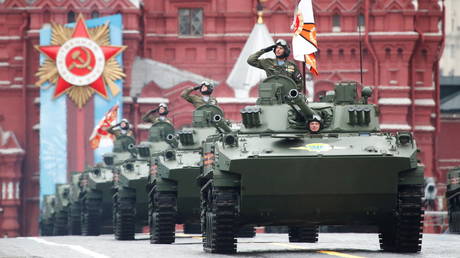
[
  {"x": 5, "y": 82},
  {"x": 449, "y": 160},
  {"x": 144, "y": 126},
  {"x": 131, "y": 32},
  {"x": 432, "y": 34},
  {"x": 227, "y": 100},
  {"x": 152, "y": 100},
  {"x": 18, "y": 58},
  {"x": 16, "y": 86},
  {"x": 37, "y": 100},
  {"x": 425, "y": 102},
  {"x": 394, "y": 88},
  {"x": 3, "y": 64},
  {"x": 36, "y": 127},
  {"x": 18, "y": 79},
  {"x": 10, "y": 37},
  {"x": 395, "y": 101},
  {"x": 427, "y": 128},
  {"x": 393, "y": 33},
  {"x": 395, "y": 127},
  {"x": 127, "y": 99},
  {"x": 425, "y": 88},
  {"x": 11, "y": 151},
  {"x": 33, "y": 31}
]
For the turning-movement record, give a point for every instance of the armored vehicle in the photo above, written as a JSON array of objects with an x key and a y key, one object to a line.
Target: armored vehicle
[
  {"x": 274, "y": 171},
  {"x": 47, "y": 215},
  {"x": 96, "y": 201},
  {"x": 74, "y": 210},
  {"x": 62, "y": 202},
  {"x": 453, "y": 199},
  {"x": 174, "y": 196},
  {"x": 131, "y": 170}
]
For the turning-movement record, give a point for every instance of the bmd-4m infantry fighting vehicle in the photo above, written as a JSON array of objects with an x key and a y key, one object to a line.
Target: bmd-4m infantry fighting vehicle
[
  {"x": 96, "y": 201},
  {"x": 47, "y": 215},
  {"x": 61, "y": 208},
  {"x": 131, "y": 170},
  {"x": 453, "y": 199},
  {"x": 74, "y": 210},
  {"x": 173, "y": 192},
  {"x": 275, "y": 172}
]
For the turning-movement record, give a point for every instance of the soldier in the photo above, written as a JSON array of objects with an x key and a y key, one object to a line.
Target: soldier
[
  {"x": 162, "y": 110},
  {"x": 124, "y": 128},
  {"x": 280, "y": 65},
  {"x": 206, "y": 89},
  {"x": 314, "y": 124}
]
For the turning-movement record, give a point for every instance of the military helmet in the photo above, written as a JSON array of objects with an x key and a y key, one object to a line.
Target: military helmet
[
  {"x": 165, "y": 106},
  {"x": 209, "y": 86},
  {"x": 315, "y": 118},
  {"x": 124, "y": 120},
  {"x": 285, "y": 45}
]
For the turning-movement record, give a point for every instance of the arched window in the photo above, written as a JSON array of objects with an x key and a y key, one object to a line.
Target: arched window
[
  {"x": 70, "y": 17},
  {"x": 94, "y": 14},
  {"x": 336, "y": 23},
  {"x": 361, "y": 22}
]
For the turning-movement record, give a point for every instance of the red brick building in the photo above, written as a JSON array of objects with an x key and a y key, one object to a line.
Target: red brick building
[{"x": 402, "y": 42}]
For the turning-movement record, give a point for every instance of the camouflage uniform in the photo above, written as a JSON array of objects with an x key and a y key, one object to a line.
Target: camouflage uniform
[
  {"x": 196, "y": 100},
  {"x": 271, "y": 67}
]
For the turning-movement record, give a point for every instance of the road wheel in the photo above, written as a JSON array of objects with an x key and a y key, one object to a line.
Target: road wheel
[
  {"x": 163, "y": 212},
  {"x": 404, "y": 233},
  {"x": 74, "y": 219},
  {"x": 60, "y": 224},
  {"x": 125, "y": 213},
  {"x": 91, "y": 217},
  {"x": 303, "y": 234},
  {"x": 220, "y": 220}
]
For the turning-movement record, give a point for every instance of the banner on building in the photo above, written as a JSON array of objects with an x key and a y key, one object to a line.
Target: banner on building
[{"x": 78, "y": 61}]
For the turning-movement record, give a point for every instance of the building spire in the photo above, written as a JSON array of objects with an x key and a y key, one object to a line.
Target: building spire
[{"x": 260, "y": 12}]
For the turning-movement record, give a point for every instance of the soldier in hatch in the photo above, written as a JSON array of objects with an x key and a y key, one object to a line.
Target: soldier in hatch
[
  {"x": 124, "y": 135},
  {"x": 314, "y": 124},
  {"x": 206, "y": 89},
  {"x": 162, "y": 110},
  {"x": 280, "y": 65}
]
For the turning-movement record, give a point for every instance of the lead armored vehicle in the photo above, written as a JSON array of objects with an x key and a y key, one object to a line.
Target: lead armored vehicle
[
  {"x": 174, "y": 196},
  {"x": 74, "y": 210},
  {"x": 453, "y": 199},
  {"x": 96, "y": 201},
  {"x": 274, "y": 172},
  {"x": 62, "y": 201},
  {"x": 131, "y": 170},
  {"x": 47, "y": 215}
]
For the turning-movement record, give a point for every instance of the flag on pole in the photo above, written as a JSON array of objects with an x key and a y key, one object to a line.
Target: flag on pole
[
  {"x": 304, "y": 44},
  {"x": 99, "y": 132}
]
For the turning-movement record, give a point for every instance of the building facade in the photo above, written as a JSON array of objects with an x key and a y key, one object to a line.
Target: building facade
[{"x": 400, "y": 42}]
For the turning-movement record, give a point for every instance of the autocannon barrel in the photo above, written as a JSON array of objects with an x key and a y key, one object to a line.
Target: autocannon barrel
[
  {"x": 296, "y": 98},
  {"x": 220, "y": 123},
  {"x": 171, "y": 140}
]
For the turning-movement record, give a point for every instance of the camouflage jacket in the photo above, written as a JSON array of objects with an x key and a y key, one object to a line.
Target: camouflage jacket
[
  {"x": 270, "y": 66},
  {"x": 196, "y": 100}
]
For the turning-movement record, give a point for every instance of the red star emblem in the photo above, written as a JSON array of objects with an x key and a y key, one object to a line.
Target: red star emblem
[{"x": 80, "y": 61}]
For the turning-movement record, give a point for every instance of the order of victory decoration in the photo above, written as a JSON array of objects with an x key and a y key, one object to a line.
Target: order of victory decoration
[{"x": 80, "y": 61}]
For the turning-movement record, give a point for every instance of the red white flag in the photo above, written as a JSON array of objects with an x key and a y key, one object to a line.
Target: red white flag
[
  {"x": 99, "y": 132},
  {"x": 304, "y": 44}
]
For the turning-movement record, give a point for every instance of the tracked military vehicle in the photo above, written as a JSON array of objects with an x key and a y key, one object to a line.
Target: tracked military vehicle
[
  {"x": 96, "y": 201},
  {"x": 74, "y": 210},
  {"x": 62, "y": 201},
  {"x": 453, "y": 199},
  {"x": 174, "y": 196},
  {"x": 131, "y": 170},
  {"x": 275, "y": 172},
  {"x": 47, "y": 215}
]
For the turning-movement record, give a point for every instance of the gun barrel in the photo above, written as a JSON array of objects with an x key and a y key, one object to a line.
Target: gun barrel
[
  {"x": 296, "y": 98},
  {"x": 171, "y": 140},
  {"x": 220, "y": 123}
]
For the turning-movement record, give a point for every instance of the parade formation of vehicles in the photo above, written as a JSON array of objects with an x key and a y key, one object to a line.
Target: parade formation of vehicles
[{"x": 230, "y": 180}]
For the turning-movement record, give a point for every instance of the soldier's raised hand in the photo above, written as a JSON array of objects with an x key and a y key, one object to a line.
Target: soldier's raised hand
[{"x": 270, "y": 48}]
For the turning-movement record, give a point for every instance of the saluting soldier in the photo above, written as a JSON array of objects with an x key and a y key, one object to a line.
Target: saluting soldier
[
  {"x": 206, "y": 89},
  {"x": 121, "y": 129},
  {"x": 279, "y": 65},
  {"x": 162, "y": 110}
]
